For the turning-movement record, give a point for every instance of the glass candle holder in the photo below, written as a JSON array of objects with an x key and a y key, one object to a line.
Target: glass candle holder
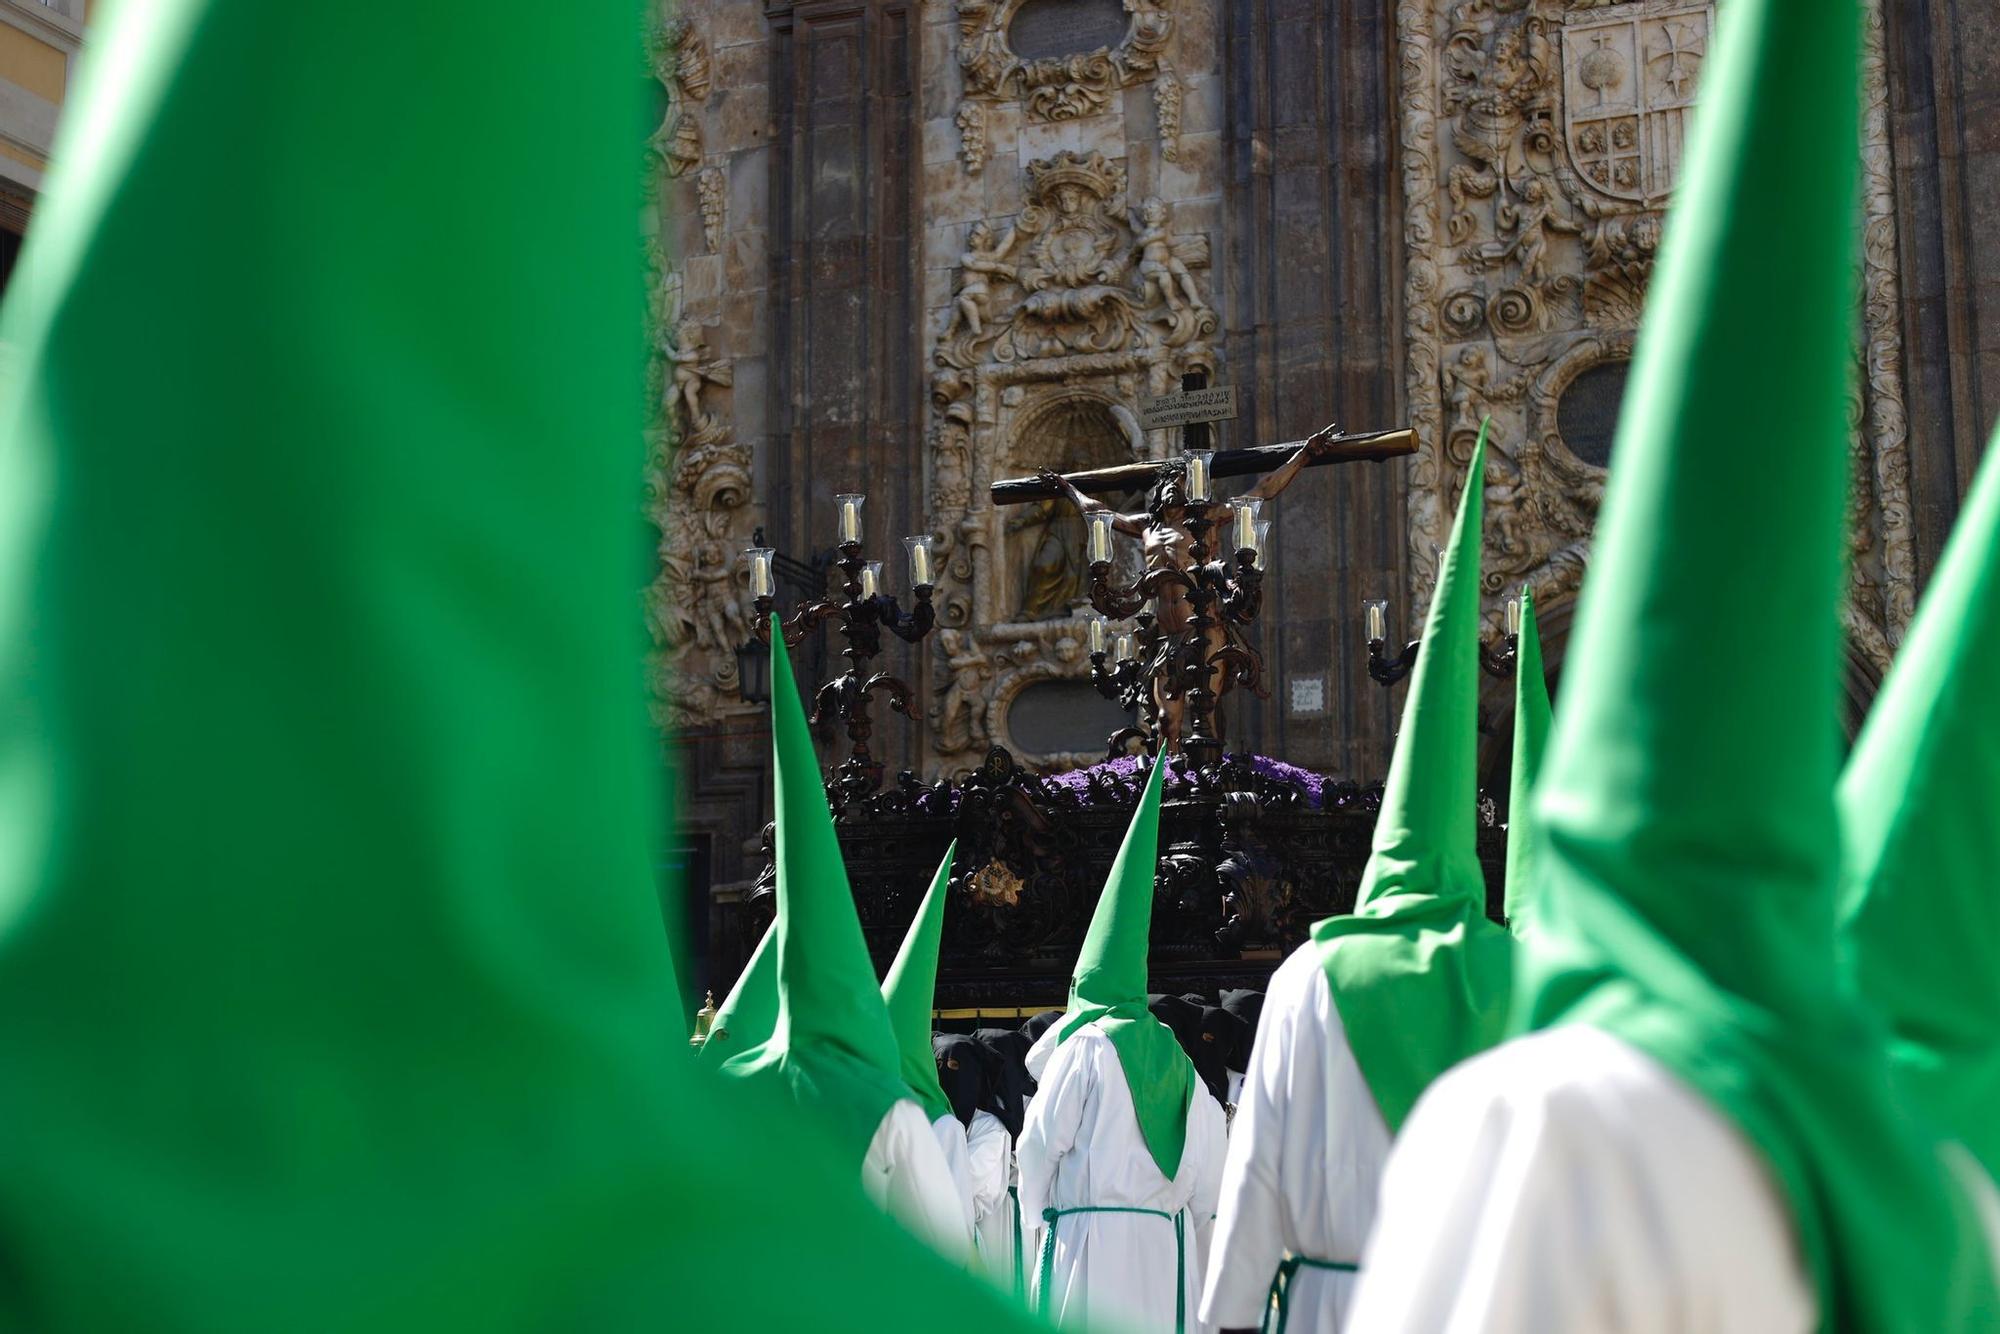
[
  {"x": 1200, "y": 486},
  {"x": 1125, "y": 648},
  {"x": 1098, "y": 530},
  {"x": 871, "y": 578},
  {"x": 1243, "y": 522},
  {"x": 1263, "y": 544},
  {"x": 923, "y": 558},
  {"x": 1513, "y": 621},
  {"x": 762, "y": 582},
  {"x": 850, "y": 504},
  {"x": 1375, "y": 618},
  {"x": 1099, "y": 632}
]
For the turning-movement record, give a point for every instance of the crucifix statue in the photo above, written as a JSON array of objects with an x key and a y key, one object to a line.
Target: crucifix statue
[{"x": 1192, "y": 610}]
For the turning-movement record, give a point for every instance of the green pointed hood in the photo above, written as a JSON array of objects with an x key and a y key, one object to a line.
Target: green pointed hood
[
  {"x": 748, "y": 1016},
  {"x": 910, "y": 992},
  {"x": 1686, "y": 801},
  {"x": 1421, "y": 977},
  {"x": 1918, "y": 800},
  {"x": 335, "y": 990},
  {"x": 1109, "y": 986},
  {"x": 1531, "y": 736},
  {"x": 833, "y": 1049}
]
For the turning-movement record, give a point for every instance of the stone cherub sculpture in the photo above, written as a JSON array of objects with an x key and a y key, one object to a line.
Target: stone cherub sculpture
[
  {"x": 984, "y": 258},
  {"x": 1161, "y": 270}
]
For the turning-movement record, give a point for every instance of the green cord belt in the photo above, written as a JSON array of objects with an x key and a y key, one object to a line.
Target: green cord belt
[
  {"x": 1047, "y": 1268},
  {"x": 1014, "y": 1197},
  {"x": 1280, "y": 1294}
]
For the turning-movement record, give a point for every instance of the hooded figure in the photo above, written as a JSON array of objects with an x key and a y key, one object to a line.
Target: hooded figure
[
  {"x": 1248, "y": 1007},
  {"x": 1000, "y": 1235},
  {"x": 1187, "y": 1017},
  {"x": 1008, "y": 1048},
  {"x": 1121, "y": 1153},
  {"x": 1918, "y": 799},
  {"x": 1035, "y": 1025},
  {"x": 748, "y": 1016},
  {"x": 910, "y": 993},
  {"x": 1699, "y": 1131},
  {"x": 311, "y": 570},
  {"x": 1532, "y": 717},
  {"x": 1377, "y": 1004},
  {"x": 965, "y": 1072},
  {"x": 1222, "y": 1036},
  {"x": 834, "y": 1052}
]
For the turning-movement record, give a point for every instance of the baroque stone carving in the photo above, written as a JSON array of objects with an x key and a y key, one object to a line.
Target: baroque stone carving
[
  {"x": 711, "y": 185},
  {"x": 1539, "y": 142},
  {"x": 699, "y": 494},
  {"x": 971, "y": 122},
  {"x": 1167, "y": 104},
  {"x": 1059, "y": 318},
  {"x": 1054, "y": 87}
]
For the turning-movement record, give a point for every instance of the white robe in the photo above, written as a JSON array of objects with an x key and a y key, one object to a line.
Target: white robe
[
  {"x": 951, "y": 1141},
  {"x": 905, "y": 1173},
  {"x": 1306, "y": 1153},
  {"x": 1565, "y": 1182},
  {"x": 1081, "y": 1146},
  {"x": 991, "y": 1154}
]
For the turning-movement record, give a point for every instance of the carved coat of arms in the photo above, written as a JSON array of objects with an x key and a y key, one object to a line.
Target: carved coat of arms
[{"x": 1628, "y": 87}]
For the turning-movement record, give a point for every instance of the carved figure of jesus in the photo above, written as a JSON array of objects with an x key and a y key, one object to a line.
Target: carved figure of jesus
[{"x": 1161, "y": 530}]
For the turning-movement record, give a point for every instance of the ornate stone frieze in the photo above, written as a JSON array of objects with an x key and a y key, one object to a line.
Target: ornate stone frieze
[
  {"x": 1064, "y": 84},
  {"x": 1540, "y": 142}
]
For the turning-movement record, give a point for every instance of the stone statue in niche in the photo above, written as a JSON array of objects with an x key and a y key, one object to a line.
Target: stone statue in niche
[
  {"x": 984, "y": 258},
  {"x": 1055, "y": 578}
]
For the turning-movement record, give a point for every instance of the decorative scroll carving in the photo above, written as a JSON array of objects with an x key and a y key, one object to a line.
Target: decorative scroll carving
[
  {"x": 1539, "y": 142},
  {"x": 1059, "y": 318},
  {"x": 1057, "y": 87},
  {"x": 711, "y": 184},
  {"x": 691, "y": 65},
  {"x": 679, "y": 143}
]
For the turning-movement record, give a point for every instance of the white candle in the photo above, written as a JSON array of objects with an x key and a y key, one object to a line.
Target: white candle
[
  {"x": 871, "y": 578},
  {"x": 919, "y": 548},
  {"x": 1198, "y": 481},
  {"x": 1244, "y": 510},
  {"x": 1127, "y": 649},
  {"x": 1375, "y": 615},
  {"x": 762, "y": 585},
  {"x": 1097, "y": 636},
  {"x": 1099, "y": 536},
  {"x": 850, "y": 516},
  {"x": 1513, "y": 616}
]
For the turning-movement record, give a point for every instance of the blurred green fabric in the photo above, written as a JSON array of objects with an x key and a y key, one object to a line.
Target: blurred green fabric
[{"x": 334, "y": 984}]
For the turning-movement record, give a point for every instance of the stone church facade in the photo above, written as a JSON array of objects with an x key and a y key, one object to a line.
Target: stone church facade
[{"x": 912, "y": 247}]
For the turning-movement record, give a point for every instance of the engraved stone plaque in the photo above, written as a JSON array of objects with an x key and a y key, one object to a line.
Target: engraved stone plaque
[{"x": 1057, "y": 28}]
